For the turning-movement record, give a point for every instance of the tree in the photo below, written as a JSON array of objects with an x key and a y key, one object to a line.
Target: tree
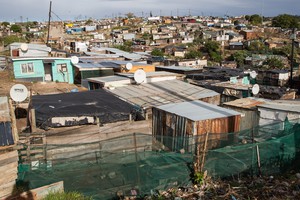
[
  {"x": 157, "y": 52},
  {"x": 257, "y": 46},
  {"x": 236, "y": 22},
  {"x": 286, "y": 21},
  {"x": 193, "y": 54},
  {"x": 5, "y": 24},
  {"x": 255, "y": 19},
  {"x": 130, "y": 15},
  {"x": 16, "y": 28},
  {"x": 239, "y": 57},
  {"x": 274, "y": 63},
  {"x": 11, "y": 39},
  {"x": 211, "y": 46}
]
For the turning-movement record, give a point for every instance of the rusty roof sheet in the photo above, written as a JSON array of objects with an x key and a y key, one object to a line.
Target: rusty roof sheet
[
  {"x": 4, "y": 110},
  {"x": 247, "y": 103}
]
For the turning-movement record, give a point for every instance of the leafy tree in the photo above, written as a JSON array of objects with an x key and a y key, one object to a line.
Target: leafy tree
[
  {"x": 274, "y": 63},
  {"x": 130, "y": 15},
  {"x": 286, "y": 21},
  {"x": 5, "y": 24},
  {"x": 236, "y": 22},
  {"x": 286, "y": 50},
  {"x": 88, "y": 22},
  {"x": 247, "y": 17},
  {"x": 239, "y": 57},
  {"x": 157, "y": 52},
  {"x": 11, "y": 39},
  {"x": 215, "y": 56},
  {"x": 211, "y": 46},
  {"x": 257, "y": 46},
  {"x": 192, "y": 54},
  {"x": 255, "y": 19},
  {"x": 16, "y": 28}
]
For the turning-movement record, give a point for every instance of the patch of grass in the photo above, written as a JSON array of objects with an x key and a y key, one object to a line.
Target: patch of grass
[{"x": 67, "y": 196}]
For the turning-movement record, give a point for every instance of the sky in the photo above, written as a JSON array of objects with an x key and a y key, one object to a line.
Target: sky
[{"x": 37, "y": 10}]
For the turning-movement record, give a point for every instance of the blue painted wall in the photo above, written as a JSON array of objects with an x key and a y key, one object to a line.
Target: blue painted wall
[{"x": 39, "y": 71}]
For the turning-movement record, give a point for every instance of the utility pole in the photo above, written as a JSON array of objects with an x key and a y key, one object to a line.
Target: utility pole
[
  {"x": 49, "y": 23},
  {"x": 293, "y": 37}
]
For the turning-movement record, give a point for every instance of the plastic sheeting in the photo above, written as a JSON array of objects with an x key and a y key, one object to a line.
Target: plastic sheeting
[{"x": 98, "y": 103}]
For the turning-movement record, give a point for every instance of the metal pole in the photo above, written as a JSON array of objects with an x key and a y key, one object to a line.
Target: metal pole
[
  {"x": 292, "y": 57},
  {"x": 49, "y": 23}
]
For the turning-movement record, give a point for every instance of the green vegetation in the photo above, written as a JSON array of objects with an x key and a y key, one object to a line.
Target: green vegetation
[
  {"x": 239, "y": 57},
  {"x": 213, "y": 50},
  {"x": 5, "y": 24},
  {"x": 66, "y": 196},
  {"x": 11, "y": 39},
  {"x": 16, "y": 28},
  {"x": 274, "y": 63},
  {"x": 286, "y": 21},
  {"x": 157, "y": 52},
  {"x": 193, "y": 54},
  {"x": 125, "y": 47},
  {"x": 255, "y": 19}
]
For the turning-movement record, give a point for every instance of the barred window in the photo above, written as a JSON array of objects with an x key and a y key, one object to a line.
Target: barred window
[{"x": 27, "y": 68}]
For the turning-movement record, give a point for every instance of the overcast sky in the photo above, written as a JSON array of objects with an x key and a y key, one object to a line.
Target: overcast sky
[{"x": 23, "y": 10}]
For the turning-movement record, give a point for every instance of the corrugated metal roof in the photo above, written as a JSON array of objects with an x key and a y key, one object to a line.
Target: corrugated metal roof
[
  {"x": 151, "y": 74},
  {"x": 4, "y": 110},
  {"x": 107, "y": 79},
  {"x": 181, "y": 68},
  {"x": 244, "y": 103},
  {"x": 198, "y": 110},
  {"x": 131, "y": 56},
  {"x": 283, "y": 105},
  {"x": 163, "y": 92}
]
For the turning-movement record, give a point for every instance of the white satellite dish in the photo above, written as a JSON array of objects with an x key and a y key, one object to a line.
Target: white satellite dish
[
  {"x": 49, "y": 49},
  {"x": 18, "y": 92},
  {"x": 253, "y": 74},
  {"x": 74, "y": 60},
  {"x": 139, "y": 76},
  {"x": 24, "y": 47},
  {"x": 128, "y": 66},
  {"x": 255, "y": 89}
]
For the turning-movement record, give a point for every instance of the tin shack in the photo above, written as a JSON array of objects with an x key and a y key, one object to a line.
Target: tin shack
[{"x": 176, "y": 125}]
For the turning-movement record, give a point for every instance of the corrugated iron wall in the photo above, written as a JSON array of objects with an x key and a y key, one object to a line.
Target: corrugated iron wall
[{"x": 6, "y": 137}]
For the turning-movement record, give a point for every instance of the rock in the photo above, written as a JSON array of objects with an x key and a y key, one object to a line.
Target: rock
[{"x": 298, "y": 175}]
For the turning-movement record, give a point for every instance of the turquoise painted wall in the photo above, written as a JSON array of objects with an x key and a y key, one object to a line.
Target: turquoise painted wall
[
  {"x": 39, "y": 72},
  {"x": 63, "y": 76},
  {"x": 38, "y": 69}
]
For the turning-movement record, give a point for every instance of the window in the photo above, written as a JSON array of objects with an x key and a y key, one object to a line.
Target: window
[
  {"x": 27, "y": 68},
  {"x": 62, "y": 68}
]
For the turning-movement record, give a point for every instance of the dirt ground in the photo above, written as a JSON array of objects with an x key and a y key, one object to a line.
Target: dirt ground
[{"x": 39, "y": 88}]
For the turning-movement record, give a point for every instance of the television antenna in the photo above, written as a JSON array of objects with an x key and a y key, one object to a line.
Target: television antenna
[
  {"x": 18, "y": 93},
  {"x": 255, "y": 89},
  {"x": 139, "y": 76}
]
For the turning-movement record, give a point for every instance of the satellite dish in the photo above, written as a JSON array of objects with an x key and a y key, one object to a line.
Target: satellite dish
[
  {"x": 255, "y": 89},
  {"x": 24, "y": 47},
  {"x": 253, "y": 74},
  {"x": 74, "y": 60},
  {"x": 49, "y": 49},
  {"x": 139, "y": 76},
  {"x": 18, "y": 92},
  {"x": 128, "y": 66}
]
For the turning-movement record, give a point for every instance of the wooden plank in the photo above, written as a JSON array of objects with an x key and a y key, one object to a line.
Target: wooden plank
[
  {"x": 7, "y": 189},
  {"x": 8, "y": 178},
  {"x": 7, "y": 155},
  {"x": 8, "y": 166}
]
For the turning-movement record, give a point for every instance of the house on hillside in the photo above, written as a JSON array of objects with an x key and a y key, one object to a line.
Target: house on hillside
[
  {"x": 43, "y": 69},
  {"x": 147, "y": 95},
  {"x": 29, "y": 50},
  {"x": 178, "y": 125},
  {"x": 79, "y": 108}
]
